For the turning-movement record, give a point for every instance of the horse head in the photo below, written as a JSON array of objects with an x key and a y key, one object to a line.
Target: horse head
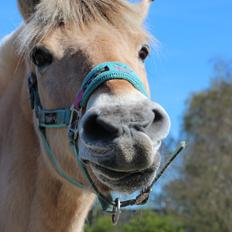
[{"x": 120, "y": 128}]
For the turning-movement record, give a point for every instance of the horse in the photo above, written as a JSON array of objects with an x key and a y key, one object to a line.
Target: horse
[{"x": 120, "y": 129}]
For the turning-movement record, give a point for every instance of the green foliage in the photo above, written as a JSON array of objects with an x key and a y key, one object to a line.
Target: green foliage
[
  {"x": 149, "y": 221},
  {"x": 103, "y": 224},
  {"x": 143, "y": 221}
]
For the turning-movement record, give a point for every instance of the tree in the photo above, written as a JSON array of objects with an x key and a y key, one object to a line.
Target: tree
[{"x": 202, "y": 193}]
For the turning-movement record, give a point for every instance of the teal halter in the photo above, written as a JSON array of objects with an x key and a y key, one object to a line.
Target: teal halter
[{"x": 69, "y": 118}]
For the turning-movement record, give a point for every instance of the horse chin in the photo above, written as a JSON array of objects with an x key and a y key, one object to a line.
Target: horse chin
[
  {"x": 107, "y": 167},
  {"x": 124, "y": 182}
]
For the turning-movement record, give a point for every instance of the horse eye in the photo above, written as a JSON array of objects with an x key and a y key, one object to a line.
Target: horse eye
[
  {"x": 41, "y": 57},
  {"x": 144, "y": 52}
]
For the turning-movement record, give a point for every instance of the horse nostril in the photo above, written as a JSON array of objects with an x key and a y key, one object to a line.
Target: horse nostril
[
  {"x": 157, "y": 116},
  {"x": 152, "y": 118},
  {"x": 160, "y": 124},
  {"x": 97, "y": 128}
]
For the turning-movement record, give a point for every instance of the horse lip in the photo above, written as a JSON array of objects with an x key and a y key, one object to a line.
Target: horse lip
[{"x": 113, "y": 174}]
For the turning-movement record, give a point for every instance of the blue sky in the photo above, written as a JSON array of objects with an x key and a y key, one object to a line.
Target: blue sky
[{"x": 191, "y": 33}]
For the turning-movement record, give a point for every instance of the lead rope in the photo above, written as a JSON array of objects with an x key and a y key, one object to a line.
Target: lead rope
[{"x": 143, "y": 197}]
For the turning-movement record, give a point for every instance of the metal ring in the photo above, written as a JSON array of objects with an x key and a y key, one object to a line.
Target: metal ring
[{"x": 116, "y": 211}]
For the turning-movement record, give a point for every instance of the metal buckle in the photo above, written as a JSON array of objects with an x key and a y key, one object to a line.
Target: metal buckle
[
  {"x": 116, "y": 211},
  {"x": 143, "y": 197},
  {"x": 73, "y": 123}
]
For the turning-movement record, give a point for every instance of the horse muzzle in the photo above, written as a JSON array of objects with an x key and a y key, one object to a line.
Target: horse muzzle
[
  {"x": 121, "y": 142},
  {"x": 118, "y": 135}
]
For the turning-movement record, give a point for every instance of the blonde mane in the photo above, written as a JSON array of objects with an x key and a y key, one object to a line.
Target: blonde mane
[{"x": 53, "y": 13}]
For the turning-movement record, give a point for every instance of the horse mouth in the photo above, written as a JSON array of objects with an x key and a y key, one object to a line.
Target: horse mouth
[
  {"x": 126, "y": 165},
  {"x": 122, "y": 181}
]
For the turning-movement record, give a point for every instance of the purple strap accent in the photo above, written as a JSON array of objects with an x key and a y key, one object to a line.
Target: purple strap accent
[{"x": 78, "y": 99}]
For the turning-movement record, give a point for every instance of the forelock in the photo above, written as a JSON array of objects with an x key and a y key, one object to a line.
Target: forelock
[{"x": 81, "y": 13}]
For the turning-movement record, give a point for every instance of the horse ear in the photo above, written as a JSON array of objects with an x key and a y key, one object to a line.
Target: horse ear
[
  {"x": 27, "y": 7},
  {"x": 143, "y": 8}
]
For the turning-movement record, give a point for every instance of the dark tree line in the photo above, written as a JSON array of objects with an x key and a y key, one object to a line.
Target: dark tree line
[{"x": 202, "y": 195}]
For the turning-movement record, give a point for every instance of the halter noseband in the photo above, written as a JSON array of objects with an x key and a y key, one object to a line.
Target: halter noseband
[{"x": 69, "y": 118}]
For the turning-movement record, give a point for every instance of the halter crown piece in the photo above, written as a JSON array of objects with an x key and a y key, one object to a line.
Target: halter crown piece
[{"x": 69, "y": 118}]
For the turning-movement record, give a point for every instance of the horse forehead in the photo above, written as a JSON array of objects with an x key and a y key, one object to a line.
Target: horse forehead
[
  {"x": 96, "y": 39},
  {"x": 93, "y": 50}
]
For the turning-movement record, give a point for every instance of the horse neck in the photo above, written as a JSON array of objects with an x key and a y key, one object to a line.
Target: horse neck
[{"x": 35, "y": 192}]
